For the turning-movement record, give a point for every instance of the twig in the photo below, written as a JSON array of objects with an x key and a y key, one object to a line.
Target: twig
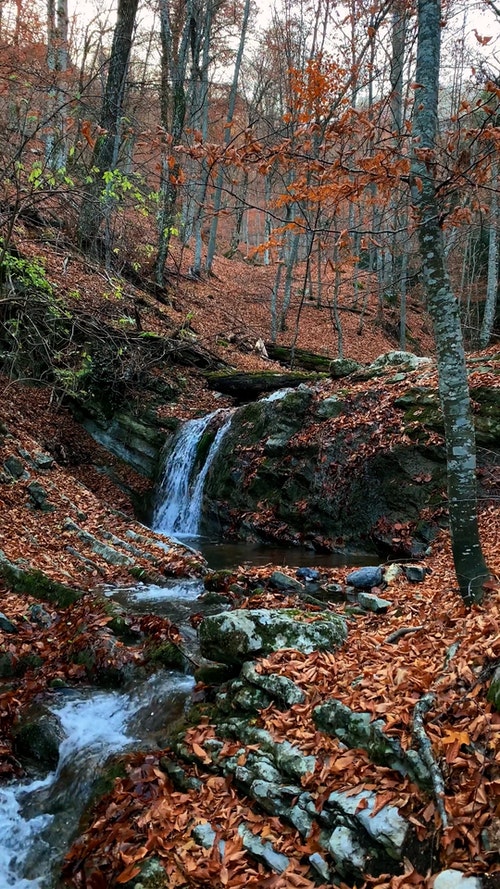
[
  {"x": 421, "y": 708},
  {"x": 403, "y": 631}
]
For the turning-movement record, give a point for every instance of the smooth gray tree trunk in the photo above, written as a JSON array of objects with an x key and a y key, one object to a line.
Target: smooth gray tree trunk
[
  {"x": 212, "y": 241},
  {"x": 492, "y": 283},
  {"x": 468, "y": 558}
]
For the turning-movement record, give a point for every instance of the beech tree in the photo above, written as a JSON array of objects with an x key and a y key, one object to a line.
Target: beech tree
[
  {"x": 57, "y": 63},
  {"x": 443, "y": 307},
  {"x": 105, "y": 152}
]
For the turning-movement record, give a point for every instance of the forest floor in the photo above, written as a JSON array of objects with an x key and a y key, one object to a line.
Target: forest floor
[{"x": 145, "y": 815}]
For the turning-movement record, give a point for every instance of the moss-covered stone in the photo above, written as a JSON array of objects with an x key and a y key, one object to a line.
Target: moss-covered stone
[
  {"x": 6, "y": 665},
  {"x": 166, "y": 654},
  {"x": 38, "y": 740},
  {"x": 237, "y": 636},
  {"x": 34, "y": 583}
]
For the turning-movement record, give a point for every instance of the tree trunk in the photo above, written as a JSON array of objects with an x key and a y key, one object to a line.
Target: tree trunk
[
  {"x": 174, "y": 61},
  {"x": 227, "y": 138},
  {"x": 57, "y": 63},
  {"x": 492, "y": 285},
  {"x": 468, "y": 558},
  {"x": 105, "y": 155}
]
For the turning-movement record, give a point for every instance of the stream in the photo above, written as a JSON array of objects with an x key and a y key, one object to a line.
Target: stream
[{"x": 39, "y": 817}]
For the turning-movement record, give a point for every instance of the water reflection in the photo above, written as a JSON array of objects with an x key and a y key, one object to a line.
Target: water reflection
[{"x": 230, "y": 555}]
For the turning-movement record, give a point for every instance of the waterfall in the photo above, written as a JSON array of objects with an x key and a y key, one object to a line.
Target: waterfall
[{"x": 178, "y": 511}]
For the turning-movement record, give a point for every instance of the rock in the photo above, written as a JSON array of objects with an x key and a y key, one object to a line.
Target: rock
[
  {"x": 329, "y": 407},
  {"x": 6, "y": 625},
  {"x": 386, "y": 827},
  {"x": 359, "y": 730},
  {"x": 43, "y": 462},
  {"x": 6, "y": 664},
  {"x": 263, "y": 851},
  {"x": 39, "y": 741},
  {"x": 398, "y": 359},
  {"x": 237, "y": 636},
  {"x": 392, "y": 572},
  {"x": 285, "y": 756},
  {"x": 284, "y": 582},
  {"x": 276, "y": 686},
  {"x": 320, "y": 866},
  {"x": 342, "y": 367},
  {"x": 40, "y": 616},
  {"x": 455, "y": 879},
  {"x": 308, "y": 575},
  {"x": 39, "y": 497},
  {"x": 15, "y": 468},
  {"x": 373, "y": 603},
  {"x": 108, "y": 553},
  {"x": 415, "y": 573},
  {"x": 365, "y": 578},
  {"x": 349, "y": 855},
  {"x": 204, "y": 835}
]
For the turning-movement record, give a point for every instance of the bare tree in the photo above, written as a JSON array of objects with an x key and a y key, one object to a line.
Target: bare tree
[
  {"x": 105, "y": 153},
  {"x": 468, "y": 558}
]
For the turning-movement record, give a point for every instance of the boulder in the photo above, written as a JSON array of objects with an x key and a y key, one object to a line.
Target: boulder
[
  {"x": 365, "y": 578},
  {"x": 236, "y": 636},
  {"x": 38, "y": 740}
]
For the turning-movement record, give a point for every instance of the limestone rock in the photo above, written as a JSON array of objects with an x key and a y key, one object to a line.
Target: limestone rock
[
  {"x": 236, "y": 636},
  {"x": 373, "y": 603}
]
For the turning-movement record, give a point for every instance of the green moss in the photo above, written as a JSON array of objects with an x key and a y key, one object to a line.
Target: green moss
[
  {"x": 6, "y": 665},
  {"x": 35, "y": 583},
  {"x": 106, "y": 781},
  {"x": 121, "y": 628},
  {"x": 166, "y": 654},
  {"x": 28, "y": 662},
  {"x": 218, "y": 581},
  {"x": 204, "y": 444}
]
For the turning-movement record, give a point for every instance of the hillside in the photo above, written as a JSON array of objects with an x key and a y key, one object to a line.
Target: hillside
[{"x": 68, "y": 518}]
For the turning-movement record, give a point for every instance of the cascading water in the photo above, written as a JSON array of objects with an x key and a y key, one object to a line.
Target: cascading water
[
  {"x": 180, "y": 498},
  {"x": 39, "y": 818}
]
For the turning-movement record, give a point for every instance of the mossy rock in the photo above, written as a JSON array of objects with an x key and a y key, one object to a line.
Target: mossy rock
[
  {"x": 34, "y": 583},
  {"x": 236, "y": 636},
  {"x": 422, "y": 407},
  {"x": 28, "y": 662},
  {"x": 120, "y": 627},
  {"x": 6, "y": 665},
  {"x": 38, "y": 740},
  {"x": 166, "y": 654}
]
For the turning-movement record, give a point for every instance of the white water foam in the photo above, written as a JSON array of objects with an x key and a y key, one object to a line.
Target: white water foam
[
  {"x": 95, "y": 727},
  {"x": 178, "y": 513}
]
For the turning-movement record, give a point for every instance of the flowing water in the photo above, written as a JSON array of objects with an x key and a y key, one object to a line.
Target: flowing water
[
  {"x": 180, "y": 499},
  {"x": 39, "y": 818}
]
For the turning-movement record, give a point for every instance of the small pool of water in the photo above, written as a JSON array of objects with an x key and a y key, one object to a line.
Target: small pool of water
[{"x": 231, "y": 555}]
